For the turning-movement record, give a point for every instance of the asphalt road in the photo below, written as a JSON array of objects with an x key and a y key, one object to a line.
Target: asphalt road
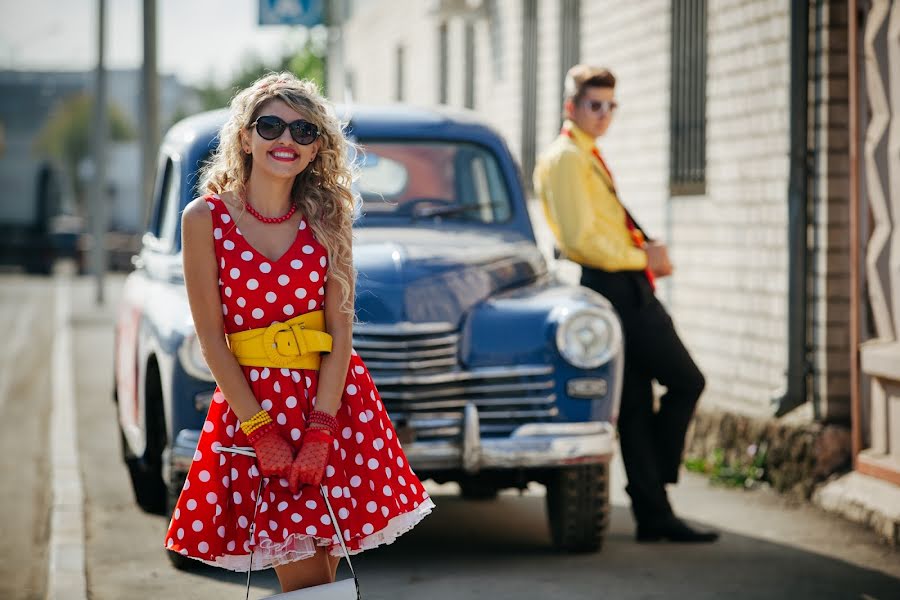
[{"x": 497, "y": 549}]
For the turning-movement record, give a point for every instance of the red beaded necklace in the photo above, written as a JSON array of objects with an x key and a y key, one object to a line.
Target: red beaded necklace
[{"x": 264, "y": 219}]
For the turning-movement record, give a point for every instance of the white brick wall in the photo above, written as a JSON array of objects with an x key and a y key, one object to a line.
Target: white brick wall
[{"x": 729, "y": 293}]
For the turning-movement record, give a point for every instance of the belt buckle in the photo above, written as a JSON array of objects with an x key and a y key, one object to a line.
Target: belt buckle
[{"x": 270, "y": 345}]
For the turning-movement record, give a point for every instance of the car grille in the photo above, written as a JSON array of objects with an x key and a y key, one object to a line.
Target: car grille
[{"x": 423, "y": 387}]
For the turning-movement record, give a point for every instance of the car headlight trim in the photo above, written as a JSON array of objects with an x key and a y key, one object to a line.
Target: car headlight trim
[
  {"x": 588, "y": 338},
  {"x": 190, "y": 354}
]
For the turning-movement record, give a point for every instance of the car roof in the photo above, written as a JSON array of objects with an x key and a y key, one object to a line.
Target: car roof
[{"x": 364, "y": 121}]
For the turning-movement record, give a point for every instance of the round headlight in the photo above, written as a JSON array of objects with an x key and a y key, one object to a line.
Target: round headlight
[
  {"x": 191, "y": 356},
  {"x": 588, "y": 337}
]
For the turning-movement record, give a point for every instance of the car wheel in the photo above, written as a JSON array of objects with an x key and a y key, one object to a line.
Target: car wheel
[
  {"x": 578, "y": 507},
  {"x": 146, "y": 480},
  {"x": 478, "y": 491}
]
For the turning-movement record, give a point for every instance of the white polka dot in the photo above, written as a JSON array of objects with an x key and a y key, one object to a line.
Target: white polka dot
[
  {"x": 264, "y": 374},
  {"x": 210, "y": 205},
  {"x": 252, "y": 284},
  {"x": 363, "y": 417},
  {"x": 387, "y": 472},
  {"x": 203, "y": 476},
  {"x": 359, "y": 437},
  {"x": 387, "y": 490},
  {"x": 273, "y": 525},
  {"x": 266, "y": 404},
  {"x": 373, "y": 464},
  {"x": 238, "y": 319},
  {"x": 355, "y": 481},
  {"x": 254, "y": 375},
  {"x": 229, "y": 245},
  {"x": 231, "y": 546},
  {"x": 296, "y": 264},
  {"x": 191, "y": 504},
  {"x": 302, "y": 224},
  {"x": 224, "y": 309},
  {"x": 221, "y": 531},
  {"x": 344, "y": 513},
  {"x": 296, "y": 518},
  {"x": 351, "y": 389},
  {"x": 378, "y": 443},
  {"x": 226, "y": 218},
  {"x": 359, "y": 459},
  {"x": 404, "y": 499},
  {"x": 323, "y": 261},
  {"x": 313, "y": 276},
  {"x": 295, "y": 376},
  {"x": 390, "y": 434},
  {"x": 385, "y": 511},
  {"x": 265, "y": 267},
  {"x": 277, "y": 386},
  {"x": 180, "y": 533},
  {"x": 307, "y": 249},
  {"x": 311, "y": 504},
  {"x": 401, "y": 480},
  {"x": 311, "y": 530},
  {"x": 197, "y": 525},
  {"x": 400, "y": 461},
  {"x": 337, "y": 491},
  {"x": 247, "y": 255},
  {"x": 295, "y": 434},
  {"x": 257, "y": 313},
  {"x": 208, "y": 426},
  {"x": 271, "y": 297},
  {"x": 345, "y": 433},
  {"x": 371, "y": 506},
  {"x": 187, "y": 484},
  {"x": 359, "y": 369},
  {"x": 300, "y": 293},
  {"x": 281, "y": 419},
  {"x": 290, "y": 401},
  {"x": 284, "y": 279},
  {"x": 241, "y": 302},
  {"x": 217, "y": 233},
  {"x": 329, "y": 471},
  {"x": 236, "y": 497},
  {"x": 312, "y": 305},
  {"x": 288, "y": 309},
  {"x": 226, "y": 481},
  {"x": 203, "y": 547},
  {"x": 326, "y": 520},
  {"x": 235, "y": 272},
  {"x": 242, "y": 521},
  {"x": 368, "y": 529},
  {"x": 211, "y": 497},
  {"x": 228, "y": 292}
]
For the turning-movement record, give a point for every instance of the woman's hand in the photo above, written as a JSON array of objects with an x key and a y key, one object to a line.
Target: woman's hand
[
  {"x": 274, "y": 454},
  {"x": 309, "y": 466}
]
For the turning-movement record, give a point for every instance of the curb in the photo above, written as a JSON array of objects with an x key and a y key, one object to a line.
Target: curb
[
  {"x": 66, "y": 576},
  {"x": 865, "y": 500}
]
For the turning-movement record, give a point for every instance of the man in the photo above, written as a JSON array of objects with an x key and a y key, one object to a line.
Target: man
[{"x": 593, "y": 229}]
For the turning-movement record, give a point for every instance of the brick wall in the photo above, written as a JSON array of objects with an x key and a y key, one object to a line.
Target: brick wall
[{"x": 729, "y": 293}]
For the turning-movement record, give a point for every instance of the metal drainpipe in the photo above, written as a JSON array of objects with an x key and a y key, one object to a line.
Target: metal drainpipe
[{"x": 795, "y": 395}]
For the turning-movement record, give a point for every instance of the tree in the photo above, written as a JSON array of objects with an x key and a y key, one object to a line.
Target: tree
[
  {"x": 66, "y": 135},
  {"x": 307, "y": 62}
]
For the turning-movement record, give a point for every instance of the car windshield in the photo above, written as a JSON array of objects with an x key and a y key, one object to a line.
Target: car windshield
[{"x": 416, "y": 181}]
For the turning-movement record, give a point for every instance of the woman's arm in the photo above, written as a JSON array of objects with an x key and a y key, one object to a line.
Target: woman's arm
[
  {"x": 201, "y": 277},
  {"x": 333, "y": 370}
]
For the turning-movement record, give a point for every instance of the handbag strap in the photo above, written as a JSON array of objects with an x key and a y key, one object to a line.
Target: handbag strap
[{"x": 322, "y": 489}]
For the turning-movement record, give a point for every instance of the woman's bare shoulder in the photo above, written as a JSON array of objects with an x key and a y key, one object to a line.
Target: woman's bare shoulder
[{"x": 197, "y": 214}]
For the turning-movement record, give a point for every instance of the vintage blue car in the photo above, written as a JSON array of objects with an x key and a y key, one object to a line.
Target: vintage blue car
[{"x": 494, "y": 373}]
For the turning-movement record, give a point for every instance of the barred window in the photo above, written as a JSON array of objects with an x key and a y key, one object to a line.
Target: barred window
[{"x": 687, "y": 151}]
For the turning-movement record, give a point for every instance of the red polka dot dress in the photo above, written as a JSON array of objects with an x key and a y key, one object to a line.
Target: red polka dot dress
[{"x": 372, "y": 489}]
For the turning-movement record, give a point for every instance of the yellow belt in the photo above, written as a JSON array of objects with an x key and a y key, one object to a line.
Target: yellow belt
[{"x": 294, "y": 344}]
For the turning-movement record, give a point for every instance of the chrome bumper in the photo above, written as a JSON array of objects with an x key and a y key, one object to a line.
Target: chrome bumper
[{"x": 533, "y": 445}]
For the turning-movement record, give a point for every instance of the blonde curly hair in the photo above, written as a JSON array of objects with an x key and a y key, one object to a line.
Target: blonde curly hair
[{"x": 322, "y": 192}]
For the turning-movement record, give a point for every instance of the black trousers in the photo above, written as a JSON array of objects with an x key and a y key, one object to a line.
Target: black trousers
[{"x": 652, "y": 442}]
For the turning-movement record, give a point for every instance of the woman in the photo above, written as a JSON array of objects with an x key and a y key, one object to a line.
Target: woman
[{"x": 269, "y": 244}]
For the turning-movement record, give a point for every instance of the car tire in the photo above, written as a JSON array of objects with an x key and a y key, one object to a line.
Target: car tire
[
  {"x": 179, "y": 561},
  {"x": 578, "y": 507},
  {"x": 146, "y": 480}
]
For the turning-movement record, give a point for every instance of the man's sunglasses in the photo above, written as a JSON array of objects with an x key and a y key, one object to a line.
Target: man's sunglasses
[
  {"x": 270, "y": 127},
  {"x": 604, "y": 107}
]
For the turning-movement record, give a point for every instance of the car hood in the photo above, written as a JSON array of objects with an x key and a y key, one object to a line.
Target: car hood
[{"x": 422, "y": 275}]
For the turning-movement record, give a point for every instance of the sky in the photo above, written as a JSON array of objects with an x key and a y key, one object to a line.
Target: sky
[{"x": 197, "y": 40}]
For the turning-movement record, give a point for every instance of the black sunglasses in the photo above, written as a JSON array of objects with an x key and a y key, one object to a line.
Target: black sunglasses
[
  {"x": 603, "y": 107},
  {"x": 270, "y": 127}
]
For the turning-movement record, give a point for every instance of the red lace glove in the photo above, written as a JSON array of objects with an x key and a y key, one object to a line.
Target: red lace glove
[
  {"x": 274, "y": 454},
  {"x": 309, "y": 466}
]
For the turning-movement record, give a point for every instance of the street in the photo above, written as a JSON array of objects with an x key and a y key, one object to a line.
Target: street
[{"x": 496, "y": 549}]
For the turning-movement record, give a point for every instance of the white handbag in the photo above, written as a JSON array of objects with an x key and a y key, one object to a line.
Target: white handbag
[{"x": 348, "y": 589}]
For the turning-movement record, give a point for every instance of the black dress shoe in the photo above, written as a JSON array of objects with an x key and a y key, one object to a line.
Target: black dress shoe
[{"x": 674, "y": 530}]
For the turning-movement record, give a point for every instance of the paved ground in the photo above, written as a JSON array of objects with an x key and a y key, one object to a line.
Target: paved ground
[{"x": 498, "y": 549}]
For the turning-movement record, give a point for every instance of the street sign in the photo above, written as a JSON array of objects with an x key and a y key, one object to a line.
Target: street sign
[{"x": 291, "y": 12}]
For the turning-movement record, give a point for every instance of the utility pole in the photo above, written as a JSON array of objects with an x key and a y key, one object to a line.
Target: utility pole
[
  {"x": 335, "y": 78},
  {"x": 150, "y": 109},
  {"x": 100, "y": 195}
]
